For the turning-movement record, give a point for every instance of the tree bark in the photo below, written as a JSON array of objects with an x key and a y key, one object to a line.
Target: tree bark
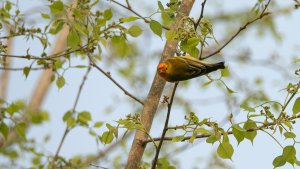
[
  {"x": 4, "y": 78},
  {"x": 152, "y": 100}
]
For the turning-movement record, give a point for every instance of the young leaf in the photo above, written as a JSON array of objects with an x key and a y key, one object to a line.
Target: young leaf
[
  {"x": 279, "y": 161},
  {"x": 56, "y": 7},
  {"x": 26, "y": 71},
  {"x": 67, "y": 115},
  {"x": 20, "y": 127},
  {"x": 177, "y": 138},
  {"x": 108, "y": 14},
  {"x": 247, "y": 108},
  {"x": 289, "y": 153},
  {"x": 250, "y": 135},
  {"x": 129, "y": 19},
  {"x": 107, "y": 137},
  {"x": 238, "y": 133},
  {"x": 73, "y": 39},
  {"x": 156, "y": 27},
  {"x": 212, "y": 139},
  {"x": 71, "y": 122},
  {"x": 289, "y": 135},
  {"x": 4, "y": 129},
  {"x": 45, "y": 16},
  {"x": 84, "y": 117},
  {"x": 225, "y": 150},
  {"x": 296, "y": 107},
  {"x": 225, "y": 72},
  {"x": 160, "y": 6},
  {"x": 134, "y": 31},
  {"x": 60, "y": 82}
]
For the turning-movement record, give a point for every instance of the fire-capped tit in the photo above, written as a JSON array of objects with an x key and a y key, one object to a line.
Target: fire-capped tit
[{"x": 181, "y": 68}]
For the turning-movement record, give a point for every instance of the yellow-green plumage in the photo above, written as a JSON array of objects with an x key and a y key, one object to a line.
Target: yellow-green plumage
[{"x": 186, "y": 67}]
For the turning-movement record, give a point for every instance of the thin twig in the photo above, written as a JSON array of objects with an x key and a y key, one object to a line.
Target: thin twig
[
  {"x": 263, "y": 14},
  {"x": 107, "y": 74},
  {"x": 21, "y": 69},
  {"x": 201, "y": 14},
  {"x": 50, "y": 57},
  {"x": 207, "y": 135},
  {"x": 67, "y": 130},
  {"x": 128, "y": 7},
  {"x": 165, "y": 127}
]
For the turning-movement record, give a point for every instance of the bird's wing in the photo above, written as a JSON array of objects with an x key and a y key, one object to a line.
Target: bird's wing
[{"x": 196, "y": 67}]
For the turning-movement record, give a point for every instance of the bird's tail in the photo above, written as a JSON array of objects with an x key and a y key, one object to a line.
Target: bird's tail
[{"x": 220, "y": 65}]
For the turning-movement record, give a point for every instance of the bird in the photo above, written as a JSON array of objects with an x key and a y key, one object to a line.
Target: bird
[{"x": 180, "y": 68}]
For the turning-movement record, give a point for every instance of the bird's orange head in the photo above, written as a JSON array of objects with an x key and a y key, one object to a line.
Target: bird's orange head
[{"x": 162, "y": 68}]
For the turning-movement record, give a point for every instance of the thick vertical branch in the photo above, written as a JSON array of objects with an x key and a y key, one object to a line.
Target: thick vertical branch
[
  {"x": 152, "y": 100},
  {"x": 4, "y": 77}
]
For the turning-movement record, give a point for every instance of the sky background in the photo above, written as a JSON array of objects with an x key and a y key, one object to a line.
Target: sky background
[{"x": 107, "y": 103}]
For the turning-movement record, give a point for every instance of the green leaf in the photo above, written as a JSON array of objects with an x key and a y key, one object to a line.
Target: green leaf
[
  {"x": 20, "y": 128},
  {"x": 56, "y": 27},
  {"x": 238, "y": 133},
  {"x": 193, "y": 137},
  {"x": 225, "y": 72},
  {"x": 73, "y": 39},
  {"x": 56, "y": 7},
  {"x": 107, "y": 14},
  {"x": 45, "y": 16},
  {"x": 212, "y": 139},
  {"x": 156, "y": 27},
  {"x": 107, "y": 137},
  {"x": 230, "y": 91},
  {"x": 58, "y": 64},
  {"x": 67, "y": 115},
  {"x": 160, "y": 6},
  {"x": 8, "y": 6},
  {"x": 4, "y": 129},
  {"x": 207, "y": 83},
  {"x": 84, "y": 117},
  {"x": 177, "y": 138},
  {"x": 170, "y": 35},
  {"x": 60, "y": 82},
  {"x": 71, "y": 122},
  {"x": 129, "y": 19},
  {"x": 193, "y": 42},
  {"x": 297, "y": 162},
  {"x": 202, "y": 131},
  {"x": 289, "y": 153},
  {"x": 250, "y": 135},
  {"x": 225, "y": 150},
  {"x": 80, "y": 28},
  {"x": 289, "y": 135},
  {"x": 98, "y": 124},
  {"x": 134, "y": 31},
  {"x": 247, "y": 108},
  {"x": 101, "y": 22},
  {"x": 279, "y": 161},
  {"x": 12, "y": 108},
  {"x": 296, "y": 107}
]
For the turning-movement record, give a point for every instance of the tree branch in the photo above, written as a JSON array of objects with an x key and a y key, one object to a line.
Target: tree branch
[
  {"x": 165, "y": 127},
  {"x": 107, "y": 74},
  {"x": 201, "y": 14},
  {"x": 152, "y": 100},
  {"x": 207, "y": 135},
  {"x": 263, "y": 14},
  {"x": 67, "y": 130},
  {"x": 128, "y": 7}
]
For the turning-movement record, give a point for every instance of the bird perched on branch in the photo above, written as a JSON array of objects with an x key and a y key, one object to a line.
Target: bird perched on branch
[{"x": 181, "y": 68}]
